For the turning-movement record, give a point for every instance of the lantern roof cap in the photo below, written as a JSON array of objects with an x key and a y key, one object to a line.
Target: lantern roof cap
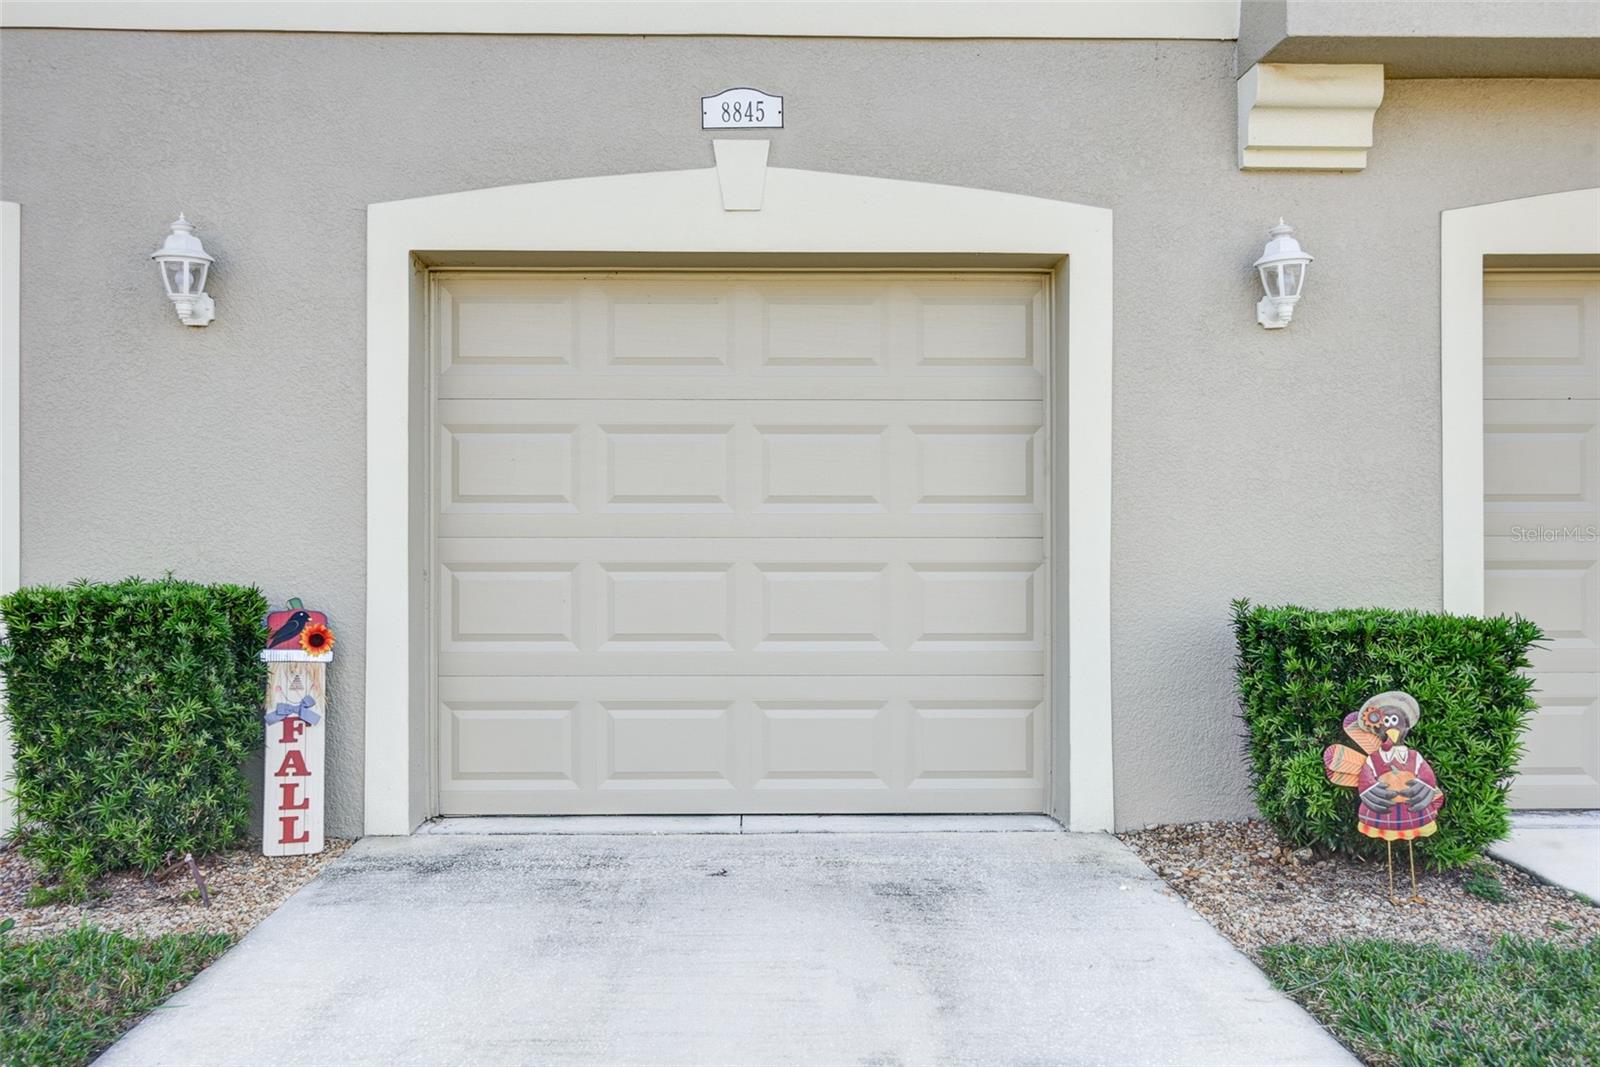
[
  {"x": 181, "y": 243},
  {"x": 1282, "y": 247}
]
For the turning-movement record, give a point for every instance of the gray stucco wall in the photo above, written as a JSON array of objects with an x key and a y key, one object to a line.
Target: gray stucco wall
[{"x": 1297, "y": 465}]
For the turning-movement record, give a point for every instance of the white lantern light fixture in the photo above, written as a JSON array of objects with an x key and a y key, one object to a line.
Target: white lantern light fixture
[
  {"x": 183, "y": 263},
  {"x": 1282, "y": 267}
]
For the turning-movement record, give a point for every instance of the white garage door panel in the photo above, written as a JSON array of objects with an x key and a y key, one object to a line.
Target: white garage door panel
[
  {"x": 745, "y": 605},
  {"x": 1538, "y": 335},
  {"x": 1541, "y": 512},
  {"x": 740, "y": 542},
  {"x": 754, "y": 336},
  {"x": 574, "y": 745},
  {"x": 1553, "y": 584},
  {"x": 1538, "y": 462},
  {"x": 790, "y": 468}
]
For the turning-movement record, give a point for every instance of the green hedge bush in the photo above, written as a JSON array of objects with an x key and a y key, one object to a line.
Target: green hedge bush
[
  {"x": 1301, "y": 672},
  {"x": 133, "y": 706}
]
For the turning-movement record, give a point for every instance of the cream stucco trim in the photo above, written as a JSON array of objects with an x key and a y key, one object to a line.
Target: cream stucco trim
[
  {"x": 681, "y": 213},
  {"x": 1182, "y": 19},
  {"x": 1553, "y": 224},
  {"x": 1308, "y": 116},
  {"x": 10, "y": 446}
]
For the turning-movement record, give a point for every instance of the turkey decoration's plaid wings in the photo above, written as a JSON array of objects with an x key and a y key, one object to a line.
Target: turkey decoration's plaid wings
[
  {"x": 1365, "y": 738},
  {"x": 1343, "y": 765}
]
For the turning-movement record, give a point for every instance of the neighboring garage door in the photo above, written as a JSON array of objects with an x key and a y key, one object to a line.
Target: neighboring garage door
[
  {"x": 1541, "y": 349},
  {"x": 740, "y": 542}
]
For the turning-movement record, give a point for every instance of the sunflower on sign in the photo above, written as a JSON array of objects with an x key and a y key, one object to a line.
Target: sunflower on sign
[{"x": 316, "y": 640}]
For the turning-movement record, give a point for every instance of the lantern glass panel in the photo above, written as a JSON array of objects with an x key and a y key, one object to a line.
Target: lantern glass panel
[
  {"x": 1269, "y": 280},
  {"x": 1294, "y": 276},
  {"x": 179, "y": 276}
]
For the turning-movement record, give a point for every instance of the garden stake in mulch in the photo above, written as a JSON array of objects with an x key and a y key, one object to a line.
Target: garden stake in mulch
[
  {"x": 298, "y": 650},
  {"x": 186, "y": 862},
  {"x": 199, "y": 879}
]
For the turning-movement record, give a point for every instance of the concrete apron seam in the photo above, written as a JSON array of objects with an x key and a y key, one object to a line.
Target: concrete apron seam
[{"x": 734, "y": 825}]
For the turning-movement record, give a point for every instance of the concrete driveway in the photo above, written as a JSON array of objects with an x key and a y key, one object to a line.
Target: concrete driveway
[
  {"x": 1023, "y": 946},
  {"x": 1561, "y": 847}
]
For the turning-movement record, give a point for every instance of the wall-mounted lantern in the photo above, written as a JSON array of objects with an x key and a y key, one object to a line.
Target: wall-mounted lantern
[
  {"x": 1282, "y": 267},
  {"x": 183, "y": 263}
]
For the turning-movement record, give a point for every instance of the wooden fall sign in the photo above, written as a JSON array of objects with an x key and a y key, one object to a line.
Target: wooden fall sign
[{"x": 298, "y": 653}]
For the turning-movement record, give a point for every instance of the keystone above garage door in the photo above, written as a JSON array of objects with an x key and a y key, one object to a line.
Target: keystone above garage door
[{"x": 716, "y": 542}]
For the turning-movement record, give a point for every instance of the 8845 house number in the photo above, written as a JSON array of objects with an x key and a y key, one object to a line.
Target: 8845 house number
[{"x": 741, "y": 109}]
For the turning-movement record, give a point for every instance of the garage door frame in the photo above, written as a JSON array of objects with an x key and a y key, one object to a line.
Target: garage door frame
[
  {"x": 1557, "y": 230},
  {"x": 600, "y": 722},
  {"x": 674, "y": 218},
  {"x": 1542, "y": 226}
]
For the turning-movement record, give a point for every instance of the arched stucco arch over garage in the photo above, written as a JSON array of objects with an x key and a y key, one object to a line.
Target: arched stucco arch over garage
[{"x": 678, "y": 217}]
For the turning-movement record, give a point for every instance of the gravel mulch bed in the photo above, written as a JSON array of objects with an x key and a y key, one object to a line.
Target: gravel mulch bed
[
  {"x": 1259, "y": 892},
  {"x": 245, "y": 887}
]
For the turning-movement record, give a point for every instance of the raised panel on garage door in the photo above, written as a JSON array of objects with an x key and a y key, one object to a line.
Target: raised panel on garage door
[
  {"x": 1541, "y": 454},
  {"x": 713, "y": 542}
]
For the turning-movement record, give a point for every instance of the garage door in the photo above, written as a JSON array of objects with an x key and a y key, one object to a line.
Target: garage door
[
  {"x": 1541, "y": 348},
  {"x": 753, "y": 542}
]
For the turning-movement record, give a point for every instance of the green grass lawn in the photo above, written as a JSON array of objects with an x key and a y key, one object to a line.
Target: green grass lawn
[
  {"x": 66, "y": 997},
  {"x": 1525, "y": 1002}
]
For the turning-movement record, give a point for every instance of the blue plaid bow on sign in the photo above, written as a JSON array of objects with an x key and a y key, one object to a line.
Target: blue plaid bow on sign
[{"x": 300, "y": 711}]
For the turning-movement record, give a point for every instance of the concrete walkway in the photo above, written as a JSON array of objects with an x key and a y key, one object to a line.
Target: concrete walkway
[
  {"x": 1562, "y": 847},
  {"x": 734, "y": 947}
]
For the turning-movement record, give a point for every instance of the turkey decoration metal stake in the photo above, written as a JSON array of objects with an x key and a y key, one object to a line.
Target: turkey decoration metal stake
[
  {"x": 298, "y": 652},
  {"x": 1400, "y": 797}
]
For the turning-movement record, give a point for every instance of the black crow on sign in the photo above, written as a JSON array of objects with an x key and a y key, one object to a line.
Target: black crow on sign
[{"x": 290, "y": 630}]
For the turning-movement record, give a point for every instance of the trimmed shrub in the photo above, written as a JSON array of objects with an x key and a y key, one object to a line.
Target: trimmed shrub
[
  {"x": 133, "y": 706},
  {"x": 1301, "y": 672}
]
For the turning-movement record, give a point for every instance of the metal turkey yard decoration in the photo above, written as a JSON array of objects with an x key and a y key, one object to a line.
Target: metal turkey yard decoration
[{"x": 1400, "y": 797}]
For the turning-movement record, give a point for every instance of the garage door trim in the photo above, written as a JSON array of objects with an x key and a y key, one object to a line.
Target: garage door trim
[
  {"x": 829, "y": 217},
  {"x": 1548, "y": 225}
]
